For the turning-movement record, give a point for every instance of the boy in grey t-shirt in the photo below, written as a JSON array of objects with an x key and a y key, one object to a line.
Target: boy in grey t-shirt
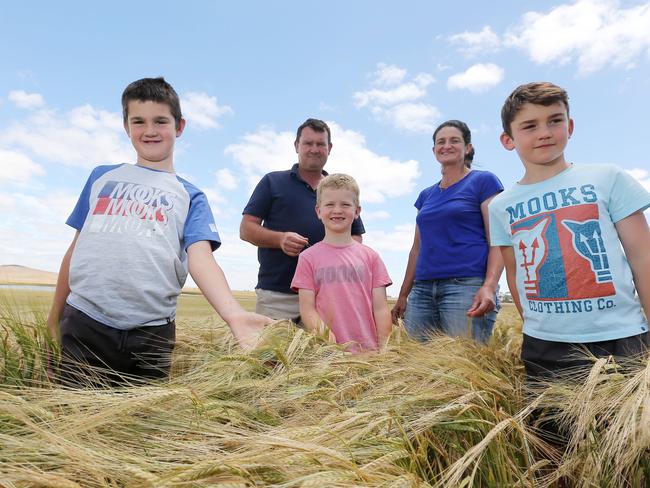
[{"x": 139, "y": 229}]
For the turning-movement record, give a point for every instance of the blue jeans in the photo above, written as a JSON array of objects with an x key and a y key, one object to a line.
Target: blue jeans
[{"x": 436, "y": 306}]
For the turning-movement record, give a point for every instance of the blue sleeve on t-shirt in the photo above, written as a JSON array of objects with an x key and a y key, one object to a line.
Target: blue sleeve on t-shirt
[
  {"x": 488, "y": 185},
  {"x": 199, "y": 225},
  {"x": 422, "y": 197},
  {"x": 78, "y": 216},
  {"x": 259, "y": 204}
]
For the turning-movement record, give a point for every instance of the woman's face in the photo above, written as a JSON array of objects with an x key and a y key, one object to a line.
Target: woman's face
[{"x": 449, "y": 146}]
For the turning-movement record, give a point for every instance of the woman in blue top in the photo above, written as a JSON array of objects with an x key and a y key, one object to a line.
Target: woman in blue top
[{"x": 452, "y": 272}]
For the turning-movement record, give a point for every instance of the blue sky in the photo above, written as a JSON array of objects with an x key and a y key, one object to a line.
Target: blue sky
[{"x": 383, "y": 74}]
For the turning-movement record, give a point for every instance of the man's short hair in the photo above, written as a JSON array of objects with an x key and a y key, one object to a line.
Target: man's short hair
[
  {"x": 538, "y": 93},
  {"x": 316, "y": 125},
  {"x": 338, "y": 181},
  {"x": 152, "y": 90}
]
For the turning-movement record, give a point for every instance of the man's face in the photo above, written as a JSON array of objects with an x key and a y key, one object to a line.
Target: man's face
[{"x": 312, "y": 149}]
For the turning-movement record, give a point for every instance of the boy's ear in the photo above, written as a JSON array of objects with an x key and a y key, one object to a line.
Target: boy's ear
[
  {"x": 570, "y": 127},
  {"x": 181, "y": 127},
  {"x": 507, "y": 142},
  {"x": 357, "y": 211},
  {"x": 126, "y": 128},
  {"x": 318, "y": 212}
]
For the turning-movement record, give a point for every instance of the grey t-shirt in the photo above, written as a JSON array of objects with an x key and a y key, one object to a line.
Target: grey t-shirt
[{"x": 130, "y": 260}]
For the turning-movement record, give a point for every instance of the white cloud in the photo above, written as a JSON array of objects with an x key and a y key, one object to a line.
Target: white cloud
[
  {"x": 473, "y": 43},
  {"x": 16, "y": 167},
  {"x": 203, "y": 110},
  {"x": 26, "y": 100},
  {"x": 378, "y": 176},
  {"x": 226, "y": 179},
  {"x": 395, "y": 103},
  {"x": 402, "y": 93},
  {"x": 399, "y": 239},
  {"x": 593, "y": 32},
  {"x": 238, "y": 259},
  {"x": 477, "y": 78},
  {"x": 388, "y": 75},
  {"x": 370, "y": 215},
  {"x": 33, "y": 231},
  {"x": 414, "y": 117},
  {"x": 83, "y": 137}
]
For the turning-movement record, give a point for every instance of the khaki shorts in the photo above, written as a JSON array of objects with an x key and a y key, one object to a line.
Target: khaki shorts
[{"x": 277, "y": 305}]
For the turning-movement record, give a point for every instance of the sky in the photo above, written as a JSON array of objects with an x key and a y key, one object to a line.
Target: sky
[{"x": 383, "y": 74}]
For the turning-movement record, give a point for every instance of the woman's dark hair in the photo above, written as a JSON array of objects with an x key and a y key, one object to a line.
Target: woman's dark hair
[{"x": 465, "y": 132}]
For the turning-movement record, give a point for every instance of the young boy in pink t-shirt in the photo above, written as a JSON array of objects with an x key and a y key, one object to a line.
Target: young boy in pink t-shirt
[{"x": 342, "y": 283}]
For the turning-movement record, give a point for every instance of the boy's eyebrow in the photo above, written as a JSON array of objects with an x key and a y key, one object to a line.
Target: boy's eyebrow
[{"x": 557, "y": 114}]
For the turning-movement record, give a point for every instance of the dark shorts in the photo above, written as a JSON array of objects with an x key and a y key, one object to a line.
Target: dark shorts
[
  {"x": 94, "y": 354},
  {"x": 546, "y": 360}
]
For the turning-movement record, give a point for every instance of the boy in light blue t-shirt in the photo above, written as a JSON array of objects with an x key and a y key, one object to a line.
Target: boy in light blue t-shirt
[{"x": 574, "y": 241}]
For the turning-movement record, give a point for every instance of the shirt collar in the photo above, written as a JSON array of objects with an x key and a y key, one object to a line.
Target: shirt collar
[{"x": 294, "y": 172}]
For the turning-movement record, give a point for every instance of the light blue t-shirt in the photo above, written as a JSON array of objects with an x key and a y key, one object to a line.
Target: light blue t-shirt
[
  {"x": 573, "y": 280},
  {"x": 130, "y": 260}
]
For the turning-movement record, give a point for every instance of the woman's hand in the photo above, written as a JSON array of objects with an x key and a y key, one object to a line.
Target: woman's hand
[
  {"x": 484, "y": 302},
  {"x": 398, "y": 309}
]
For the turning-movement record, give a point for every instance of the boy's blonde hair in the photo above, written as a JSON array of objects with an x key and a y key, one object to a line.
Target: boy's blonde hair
[
  {"x": 538, "y": 93},
  {"x": 338, "y": 181}
]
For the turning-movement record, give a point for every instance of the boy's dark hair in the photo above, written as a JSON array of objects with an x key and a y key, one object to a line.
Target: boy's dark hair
[
  {"x": 152, "y": 90},
  {"x": 316, "y": 125},
  {"x": 467, "y": 137},
  {"x": 538, "y": 93}
]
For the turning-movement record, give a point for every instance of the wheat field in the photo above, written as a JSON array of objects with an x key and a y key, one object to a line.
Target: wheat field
[{"x": 300, "y": 412}]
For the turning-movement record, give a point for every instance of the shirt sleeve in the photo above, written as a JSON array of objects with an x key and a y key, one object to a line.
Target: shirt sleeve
[
  {"x": 304, "y": 275},
  {"x": 627, "y": 196},
  {"x": 490, "y": 186},
  {"x": 421, "y": 198},
  {"x": 199, "y": 225},
  {"x": 499, "y": 233},
  {"x": 80, "y": 212},
  {"x": 358, "y": 227},
  {"x": 380, "y": 277},
  {"x": 259, "y": 204}
]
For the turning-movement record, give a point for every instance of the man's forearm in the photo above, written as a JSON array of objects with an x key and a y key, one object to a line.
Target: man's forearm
[{"x": 260, "y": 236}]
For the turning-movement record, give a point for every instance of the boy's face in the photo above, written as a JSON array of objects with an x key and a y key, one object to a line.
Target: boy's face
[
  {"x": 539, "y": 134},
  {"x": 152, "y": 130},
  {"x": 337, "y": 210}
]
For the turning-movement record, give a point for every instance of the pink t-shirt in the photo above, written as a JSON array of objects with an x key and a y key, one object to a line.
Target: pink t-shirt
[{"x": 342, "y": 278}]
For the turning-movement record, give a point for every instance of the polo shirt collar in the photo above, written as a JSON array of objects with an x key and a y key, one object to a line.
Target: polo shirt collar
[{"x": 294, "y": 172}]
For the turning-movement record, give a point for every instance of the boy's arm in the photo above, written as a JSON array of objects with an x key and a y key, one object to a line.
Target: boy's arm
[
  {"x": 207, "y": 274},
  {"x": 400, "y": 306},
  {"x": 508, "y": 254},
  {"x": 484, "y": 298},
  {"x": 61, "y": 291},
  {"x": 381, "y": 314},
  {"x": 309, "y": 314},
  {"x": 634, "y": 234}
]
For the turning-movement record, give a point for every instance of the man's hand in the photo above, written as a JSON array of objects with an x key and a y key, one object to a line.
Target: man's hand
[
  {"x": 292, "y": 243},
  {"x": 398, "y": 309},
  {"x": 247, "y": 327},
  {"x": 483, "y": 302}
]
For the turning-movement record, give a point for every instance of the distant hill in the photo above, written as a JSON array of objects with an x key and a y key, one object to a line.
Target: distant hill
[{"x": 22, "y": 275}]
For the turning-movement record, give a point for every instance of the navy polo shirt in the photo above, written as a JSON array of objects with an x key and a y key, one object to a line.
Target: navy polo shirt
[{"x": 286, "y": 203}]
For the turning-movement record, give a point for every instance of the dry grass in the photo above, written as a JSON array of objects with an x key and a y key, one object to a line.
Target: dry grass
[{"x": 299, "y": 412}]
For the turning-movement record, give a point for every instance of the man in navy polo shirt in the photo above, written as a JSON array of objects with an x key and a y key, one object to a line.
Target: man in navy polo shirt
[{"x": 280, "y": 219}]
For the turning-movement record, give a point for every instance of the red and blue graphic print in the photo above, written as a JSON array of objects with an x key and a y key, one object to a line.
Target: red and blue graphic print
[
  {"x": 562, "y": 254},
  {"x": 131, "y": 207}
]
